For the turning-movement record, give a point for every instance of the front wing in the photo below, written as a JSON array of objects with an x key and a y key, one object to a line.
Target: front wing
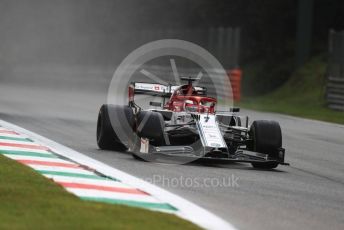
[{"x": 181, "y": 154}]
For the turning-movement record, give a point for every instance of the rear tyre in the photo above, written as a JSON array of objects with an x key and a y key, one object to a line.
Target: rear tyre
[
  {"x": 151, "y": 125},
  {"x": 106, "y": 130},
  {"x": 267, "y": 139}
]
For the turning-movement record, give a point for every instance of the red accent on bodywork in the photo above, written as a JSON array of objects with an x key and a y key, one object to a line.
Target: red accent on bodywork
[
  {"x": 177, "y": 102},
  {"x": 131, "y": 92}
]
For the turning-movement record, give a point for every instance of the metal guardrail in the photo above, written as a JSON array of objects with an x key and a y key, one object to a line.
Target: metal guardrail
[
  {"x": 335, "y": 93},
  {"x": 335, "y": 75}
]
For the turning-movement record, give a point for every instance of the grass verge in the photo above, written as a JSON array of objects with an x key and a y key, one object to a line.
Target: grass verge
[
  {"x": 302, "y": 95},
  {"x": 30, "y": 201}
]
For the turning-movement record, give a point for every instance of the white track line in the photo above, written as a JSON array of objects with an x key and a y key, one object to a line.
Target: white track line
[
  {"x": 61, "y": 169},
  {"x": 100, "y": 182},
  {"x": 45, "y": 159},
  {"x": 187, "y": 209},
  {"x": 113, "y": 195},
  {"x": 18, "y": 142},
  {"x": 8, "y": 148},
  {"x": 12, "y": 135}
]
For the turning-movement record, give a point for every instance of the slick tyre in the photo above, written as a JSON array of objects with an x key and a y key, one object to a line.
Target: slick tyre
[
  {"x": 266, "y": 138},
  {"x": 108, "y": 128}
]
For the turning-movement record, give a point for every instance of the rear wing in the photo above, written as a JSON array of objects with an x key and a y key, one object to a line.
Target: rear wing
[
  {"x": 156, "y": 89},
  {"x": 151, "y": 89}
]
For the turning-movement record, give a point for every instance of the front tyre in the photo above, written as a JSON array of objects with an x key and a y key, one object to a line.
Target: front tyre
[
  {"x": 266, "y": 138},
  {"x": 151, "y": 125}
]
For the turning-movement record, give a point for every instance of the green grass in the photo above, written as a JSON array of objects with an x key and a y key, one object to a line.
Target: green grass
[
  {"x": 30, "y": 201},
  {"x": 302, "y": 95}
]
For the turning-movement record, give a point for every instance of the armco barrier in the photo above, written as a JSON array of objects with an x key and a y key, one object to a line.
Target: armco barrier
[
  {"x": 335, "y": 71},
  {"x": 335, "y": 93}
]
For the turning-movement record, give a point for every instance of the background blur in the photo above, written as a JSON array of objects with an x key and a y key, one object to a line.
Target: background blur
[{"x": 268, "y": 39}]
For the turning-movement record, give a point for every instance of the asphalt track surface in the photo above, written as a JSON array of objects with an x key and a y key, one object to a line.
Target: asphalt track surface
[{"x": 309, "y": 194}]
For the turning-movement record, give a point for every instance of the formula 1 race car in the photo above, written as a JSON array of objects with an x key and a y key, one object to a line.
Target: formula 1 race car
[{"x": 187, "y": 128}]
